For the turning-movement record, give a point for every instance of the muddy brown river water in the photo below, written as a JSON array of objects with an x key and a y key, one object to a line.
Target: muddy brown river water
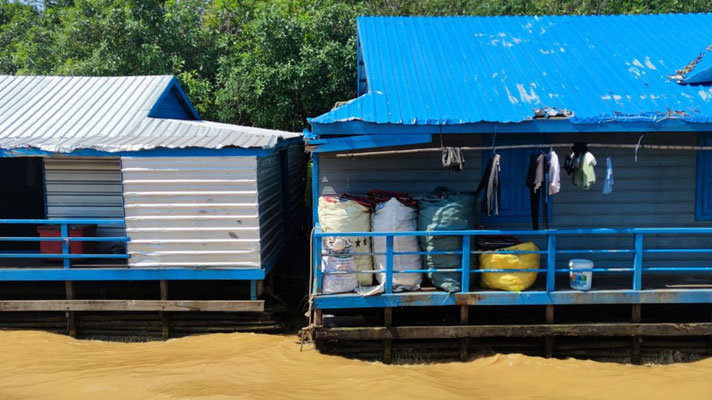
[{"x": 38, "y": 365}]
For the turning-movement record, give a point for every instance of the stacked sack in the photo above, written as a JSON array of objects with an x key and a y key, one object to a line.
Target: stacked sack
[
  {"x": 443, "y": 211},
  {"x": 396, "y": 212},
  {"x": 347, "y": 215}
]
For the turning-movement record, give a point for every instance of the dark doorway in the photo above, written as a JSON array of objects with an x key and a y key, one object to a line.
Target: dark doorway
[{"x": 22, "y": 198}]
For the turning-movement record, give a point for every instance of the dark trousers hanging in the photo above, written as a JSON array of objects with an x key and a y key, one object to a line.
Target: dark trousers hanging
[{"x": 535, "y": 197}]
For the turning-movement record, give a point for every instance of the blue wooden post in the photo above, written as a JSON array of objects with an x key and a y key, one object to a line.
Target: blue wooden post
[
  {"x": 389, "y": 264},
  {"x": 317, "y": 264},
  {"x": 638, "y": 262},
  {"x": 253, "y": 290},
  {"x": 64, "y": 232},
  {"x": 551, "y": 263},
  {"x": 465, "y": 264},
  {"x": 315, "y": 189}
]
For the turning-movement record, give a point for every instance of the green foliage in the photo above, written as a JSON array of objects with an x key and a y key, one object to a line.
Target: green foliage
[{"x": 253, "y": 62}]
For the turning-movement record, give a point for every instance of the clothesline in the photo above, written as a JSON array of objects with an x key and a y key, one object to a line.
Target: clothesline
[{"x": 533, "y": 146}]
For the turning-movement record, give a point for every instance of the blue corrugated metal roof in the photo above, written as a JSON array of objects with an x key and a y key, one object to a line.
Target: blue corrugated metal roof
[{"x": 464, "y": 70}]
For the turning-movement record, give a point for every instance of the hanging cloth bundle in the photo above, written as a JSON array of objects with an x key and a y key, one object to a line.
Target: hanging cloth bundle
[
  {"x": 452, "y": 158},
  {"x": 490, "y": 181},
  {"x": 537, "y": 178}
]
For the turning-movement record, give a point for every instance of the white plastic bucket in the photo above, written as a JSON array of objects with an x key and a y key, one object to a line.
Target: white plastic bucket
[{"x": 580, "y": 280}]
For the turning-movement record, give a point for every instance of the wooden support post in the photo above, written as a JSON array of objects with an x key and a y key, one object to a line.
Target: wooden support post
[
  {"x": 635, "y": 349},
  {"x": 71, "y": 321},
  {"x": 318, "y": 317},
  {"x": 710, "y": 337},
  {"x": 387, "y": 344},
  {"x": 166, "y": 333},
  {"x": 549, "y": 340},
  {"x": 464, "y": 342}
]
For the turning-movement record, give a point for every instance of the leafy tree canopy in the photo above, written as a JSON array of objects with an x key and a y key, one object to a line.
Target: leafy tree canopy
[{"x": 252, "y": 62}]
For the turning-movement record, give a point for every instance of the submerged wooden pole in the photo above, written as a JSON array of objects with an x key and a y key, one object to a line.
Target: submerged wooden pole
[
  {"x": 165, "y": 333},
  {"x": 464, "y": 342},
  {"x": 549, "y": 340},
  {"x": 71, "y": 321},
  {"x": 635, "y": 349},
  {"x": 388, "y": 344}
]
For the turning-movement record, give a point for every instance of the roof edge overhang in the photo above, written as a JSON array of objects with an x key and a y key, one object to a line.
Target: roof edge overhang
[{"x": 355, "y": 127}]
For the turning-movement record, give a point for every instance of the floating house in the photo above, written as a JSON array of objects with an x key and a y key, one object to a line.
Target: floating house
[
  {"x": 119, "y": 179},
  {"x": 636, "y": 89}
]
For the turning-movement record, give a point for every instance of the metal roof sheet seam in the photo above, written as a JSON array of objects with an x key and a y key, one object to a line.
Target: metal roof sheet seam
[
  {"x": 62, "y": 114},
  {"x": 589, "y": 69}
]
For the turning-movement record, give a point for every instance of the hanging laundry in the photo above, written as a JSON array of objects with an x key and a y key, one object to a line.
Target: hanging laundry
[
  {"x": 452, "y": 158},
  {"x": 554, "y": 172},
  {"x": 536, "y": 179},
  {"x": 608, "y": 182},
  {"x": 573, "y": 159},
  {"x": 490, "y": 182},
  {"x": 585, "y": 174}
]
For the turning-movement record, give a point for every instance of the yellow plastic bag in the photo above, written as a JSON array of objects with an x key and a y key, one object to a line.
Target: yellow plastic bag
[{"x": 510, "y": 281}]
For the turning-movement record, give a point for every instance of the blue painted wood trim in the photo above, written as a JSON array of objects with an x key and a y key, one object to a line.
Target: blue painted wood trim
[
  {"x": 130, "y": 274},
  {"x": 366, "y": 142},
  {"x": 389, "y": 264},
  {"x": 494, "y": 298},
  {"x": 64, "y": 232},
  {"x": 551, "y": 263},
  {"x": 57, "y": 221},
  {"x": 465, "y": 265},
  {"x": 168, "y": 91},
  {"x": 638, "y": 262},
  {"x": 318, "y": 265},
  {"x": 315, "y": 189},
  {"x": 702, "y": 189},
  {"x": 533, "y": 126},
  {"x": 527, "y": 232}
]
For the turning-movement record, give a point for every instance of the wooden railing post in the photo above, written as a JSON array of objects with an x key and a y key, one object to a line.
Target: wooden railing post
[
  {"x": 64, "y": 232},
  {"x": 551, "y": 263},
  {"x": 389, "y": 264},
  {"x": 465, "y": 285},
  {"x": 638, "y": 262},
  {"x": 317, "y": 264}
]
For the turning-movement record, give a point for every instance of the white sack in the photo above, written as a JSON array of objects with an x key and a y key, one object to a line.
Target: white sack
[
  {"x": 342, "y": 215},
  {"x": 339, "y": 258},
  {"x": 394, "y": 216}
]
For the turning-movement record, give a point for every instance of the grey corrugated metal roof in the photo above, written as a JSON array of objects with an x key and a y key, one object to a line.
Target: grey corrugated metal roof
[{"x": 61, "y": 114}]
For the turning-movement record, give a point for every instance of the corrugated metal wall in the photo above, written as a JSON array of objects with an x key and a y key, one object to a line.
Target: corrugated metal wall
[
  {"x": 271, "y": 207},
  {"x": 201, "y": 211},
  {"x": 295, "y": 185},
  {"x": 84, "y": 187},
  {"x": 657, "y": 191}
]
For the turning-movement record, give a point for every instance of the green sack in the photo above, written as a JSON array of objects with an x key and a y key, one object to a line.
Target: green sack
[{"x": 442, "y": 212}]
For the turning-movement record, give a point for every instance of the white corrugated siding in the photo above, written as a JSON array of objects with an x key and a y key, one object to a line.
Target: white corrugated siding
[
  {"x": 192, "y": 211},
  {"x": 84, "y": 187}
]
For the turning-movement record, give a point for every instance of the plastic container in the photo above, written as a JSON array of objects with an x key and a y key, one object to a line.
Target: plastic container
[
  {"x": 580, "y": 280},
  {"x": 55, "y": 247}
]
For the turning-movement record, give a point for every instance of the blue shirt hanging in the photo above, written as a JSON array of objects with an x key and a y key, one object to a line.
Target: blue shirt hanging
[{"x": 608, "y": 182}]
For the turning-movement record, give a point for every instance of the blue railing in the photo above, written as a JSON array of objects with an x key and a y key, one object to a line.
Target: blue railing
[
  {"x": 64, "y": 237},
  {"x": 9, "y": 271},
  {"x": 637, "y": 268}
]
